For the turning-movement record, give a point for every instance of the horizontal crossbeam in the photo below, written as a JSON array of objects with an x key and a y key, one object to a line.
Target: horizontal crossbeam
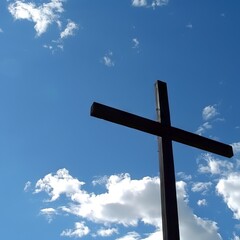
[{"x": 149, "y": 126}]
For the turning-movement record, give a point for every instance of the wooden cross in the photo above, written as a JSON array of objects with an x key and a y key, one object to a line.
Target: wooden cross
[{"x": 166, "y": 134}]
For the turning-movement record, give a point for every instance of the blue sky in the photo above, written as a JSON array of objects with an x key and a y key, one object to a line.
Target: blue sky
[{"x": 67, "y": 175}]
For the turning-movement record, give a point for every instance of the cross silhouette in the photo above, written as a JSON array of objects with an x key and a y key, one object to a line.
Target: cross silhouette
[{"x": 166, "y": 134}]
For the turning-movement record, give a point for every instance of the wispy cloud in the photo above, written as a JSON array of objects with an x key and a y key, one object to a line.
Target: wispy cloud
[
  {"x": 135, "y": 43},
  {"x": 203, "y": 128},
  {"x": 107, "y": 59},
  {"x": 209, "y": 164},
  {"x": 139, "y": 3},
  {"x": 201, "y": 187},
  {"x": 80, "y": 230},
  {"x": 184, "y": 176},
  {"x": 159, "y": 3},
  {"x": 148, "y": 3},
  {"x": 209, "y": 114},
  {"x": 126, "y": 202},
  {"x": 27, "y": 186},
  {"x": 106, "y": 232},
  {"x": 48, "y": 213},
  {"x": 130, "y": 236},
  {"x": 189, "y": 25}
]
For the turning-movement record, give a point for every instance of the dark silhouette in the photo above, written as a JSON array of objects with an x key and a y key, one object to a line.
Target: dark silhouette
[{"x": 166, "y": 134}]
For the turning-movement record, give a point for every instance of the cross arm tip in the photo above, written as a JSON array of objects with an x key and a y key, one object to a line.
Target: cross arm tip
[
  {"x": 92, "y": 108},
  {"x": 231, "y": 153}
]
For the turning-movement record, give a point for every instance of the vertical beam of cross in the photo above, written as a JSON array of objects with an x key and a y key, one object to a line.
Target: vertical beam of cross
[{"x": 170, "y": 224}]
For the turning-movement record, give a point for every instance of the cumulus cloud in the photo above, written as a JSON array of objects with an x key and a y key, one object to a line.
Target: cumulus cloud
[
  {"x": 42, "y": 16},
  {"x": 60, "y": 183},
  {"x": 209, "y": 112},
  {"x": 125, "y": 202},
  {"x": 228, "y": 188}
]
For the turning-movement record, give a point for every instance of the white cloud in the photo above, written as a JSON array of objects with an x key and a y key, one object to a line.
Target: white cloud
[
  {"x": 158, "y": 3},
  {"x": 126, "y": 202},
  {"x": 201, "y": 187},
  {"x": 48, "y": 213},
  {"x": 184, "y": 176},
  {"x": 209, "y": 112},
  {"x": 27, "y": 186},
  {"x": 192, "y": 226},
  {"x": 42, "y": 16},
  {"x": 107, "y": 232},
  {"x": 155, "y": 235},
  {"x": 135, "y": 43},
  {"x": 154, "y": 3},
  {"x": 236, "y": 147},
  {"x": 69, "y": 30},
  {"x": 228, "y": 188},
  {"x": 202, "y": 202},
  {"x": 235, "y": 237},
  {"x": 50, "y": 47},
  {"x": 107, "y": 60},
  {"x": 100, "y": 180},
  {"x": 213, "y": 166},
  {"x": 202, "y": 129},
  {"x": 60, "y": 183},
  {"x": 123, "y": 201},
  {"x": 237, "y": 226},
  {"x": 130, "y": 236},
  {"x": 189, "y": 25},
  {"x": 139, "y": 3},
  {"x": 79, "y": 231}
]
